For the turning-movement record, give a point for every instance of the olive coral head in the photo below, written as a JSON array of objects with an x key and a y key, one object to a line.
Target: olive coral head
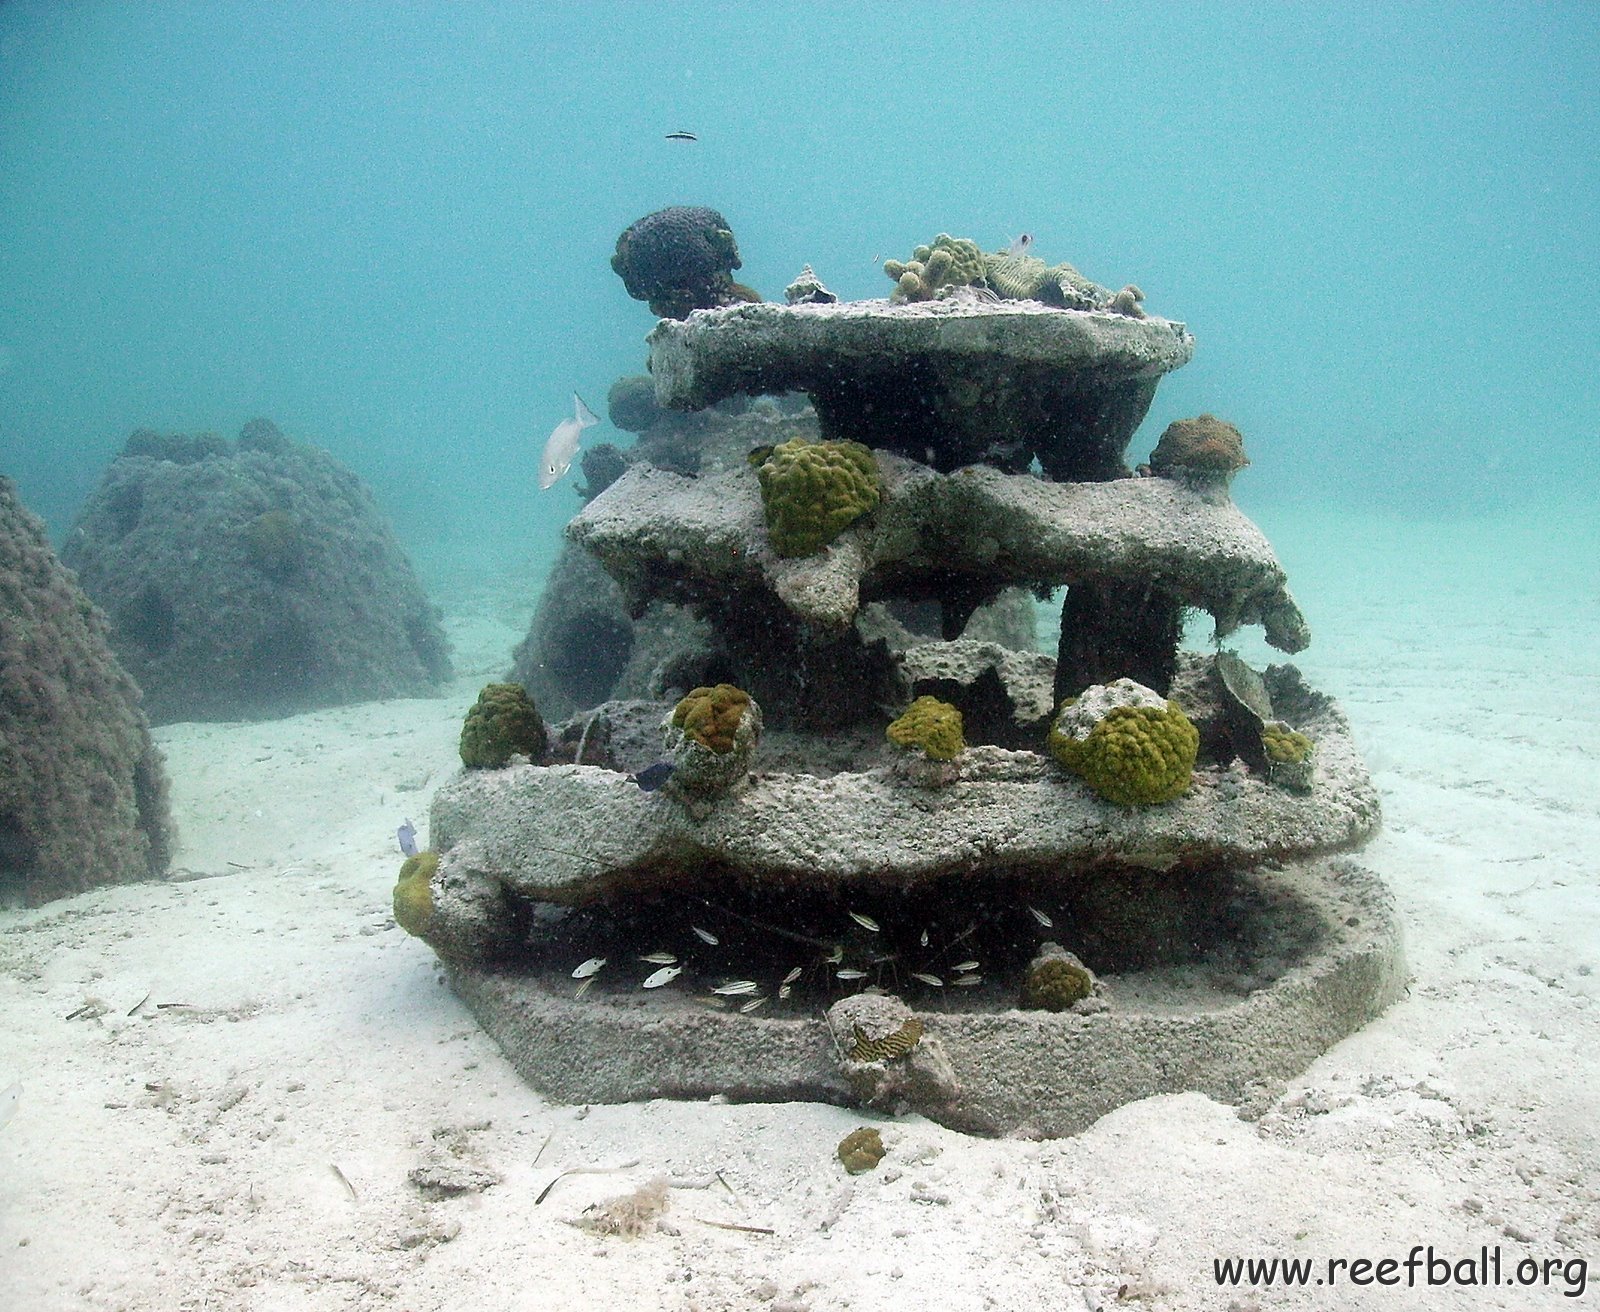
[{"x": 1204, "y": 447}]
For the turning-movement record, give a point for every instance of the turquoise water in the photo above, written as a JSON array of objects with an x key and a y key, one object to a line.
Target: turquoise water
[{"x": 388, "y": 226}]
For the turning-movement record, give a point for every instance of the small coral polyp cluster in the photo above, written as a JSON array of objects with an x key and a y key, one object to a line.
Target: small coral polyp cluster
[{"x": 833, "y": 774}]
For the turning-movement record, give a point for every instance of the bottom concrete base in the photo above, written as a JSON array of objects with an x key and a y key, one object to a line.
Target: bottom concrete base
[{"x": 1230, "y": 1022}]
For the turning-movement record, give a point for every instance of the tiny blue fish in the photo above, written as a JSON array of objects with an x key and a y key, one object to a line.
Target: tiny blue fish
[
  {"x": 407, "y": 834},
  {"x": 653, "y": 776}
]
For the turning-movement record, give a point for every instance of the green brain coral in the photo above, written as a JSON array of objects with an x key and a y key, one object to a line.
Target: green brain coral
[
  {"x": 711, "y": 716},
  {"x": 502, "y": 723},
  {"x": 1055, "y": 983},
  {"x": 413, "y": 894},
  {"x": 1283, "y": 745},
  {"x": 932, "y": 725},
  {"x": 813, "y": 491},
  {"x": 1134, "y": 756},
  {"x": 944, "y": 263}
]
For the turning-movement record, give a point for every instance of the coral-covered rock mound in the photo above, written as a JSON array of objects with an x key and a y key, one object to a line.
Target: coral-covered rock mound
[
  {"x": 83, "y": 797},
  {"x": 253, "y": 579}
]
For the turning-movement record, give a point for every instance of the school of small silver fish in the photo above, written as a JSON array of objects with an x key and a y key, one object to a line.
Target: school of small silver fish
[{"x": 963, "y": 974}]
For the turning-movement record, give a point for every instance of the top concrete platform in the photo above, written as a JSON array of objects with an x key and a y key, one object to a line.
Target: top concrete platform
[{"x": 950, "y": 382}]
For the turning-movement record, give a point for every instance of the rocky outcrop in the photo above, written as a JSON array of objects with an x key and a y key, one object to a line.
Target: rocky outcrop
[{"x": 83, "y": 795}]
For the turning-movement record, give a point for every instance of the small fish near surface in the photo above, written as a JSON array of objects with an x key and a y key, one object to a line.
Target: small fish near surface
[
  {"x": 407, "y": 834},
  {"x": 562, "y": 444},
  {"x": 663, "y": 976},
  {"x": 681, "y": 135}
]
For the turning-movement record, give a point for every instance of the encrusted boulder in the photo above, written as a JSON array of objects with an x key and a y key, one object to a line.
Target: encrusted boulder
[
  {"x": 83, "y": 795},
  {"x": 253, "y": 579}
]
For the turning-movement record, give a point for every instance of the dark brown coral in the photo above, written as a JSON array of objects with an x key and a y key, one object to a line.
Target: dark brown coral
[
  {"x": 679, "y": 259},
  {"x": 1205, "y": 446}
]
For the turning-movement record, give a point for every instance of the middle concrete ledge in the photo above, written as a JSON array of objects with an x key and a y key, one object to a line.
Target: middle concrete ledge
[{"x": 687, "y": 539}]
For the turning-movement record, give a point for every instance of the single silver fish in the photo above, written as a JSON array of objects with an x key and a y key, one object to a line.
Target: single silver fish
[
  {"x": 1020, "y": 245},
  {"x": 407, "y": 834},
  {"x": 752, "y": 1004},
  {"x": 705, "y": 935},
  {"x": 588, "y": 968},
  {"x": 932, "y": 981},
  {"x": 8, "y": 1103},
  {"x": 962, "y": 967},
  {"x": 792, "y": 975},
  {"x": 584, "y": 987},
  {"x": 966, "y": 981},
  {"x": 866, "y": 922},
  {"x": 850, "y": 972},
  {"x": 784, "y": 990},
  {"x": 663, "y": 976},
  {"x": 660, "y": 959},
  {"x": 1041, "y": 918},
  {"x": 735, "y": 987},
  {"x": 563, "y": 444}
]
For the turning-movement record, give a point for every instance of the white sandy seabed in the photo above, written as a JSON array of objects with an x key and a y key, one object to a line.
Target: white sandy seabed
[{"x": 228, "y": 1079}]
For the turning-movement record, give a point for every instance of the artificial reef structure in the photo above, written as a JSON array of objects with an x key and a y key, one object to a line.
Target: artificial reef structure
[
  {"x": 836, "y": 839},
  {"x": 252, "y": 579},
  {"x": 83, "y": 792}
]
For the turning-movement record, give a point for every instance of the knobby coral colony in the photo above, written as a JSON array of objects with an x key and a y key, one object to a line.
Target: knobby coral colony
[
  {"x": 1140, "y": 753},
  {"x": 1284, "y": 745},
  {"x": 711, "y": 716},
  {"x": 949, "y": 263},
  {"x": 503, "y": 723},
  {"x": 1055, "y": 983},
  {"x": 813, "y": 491},
  {"x": 931, "y": 726},
  {"x": 945, "y": 263}
]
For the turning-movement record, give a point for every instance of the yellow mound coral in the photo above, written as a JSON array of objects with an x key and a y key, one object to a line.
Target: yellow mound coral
[
  {"x": 1283, "y": 744},
  {"x": 931, "y": 725},
  {"x": 813, "y": 491},
  {"x": 1135, "y": 756},
  {"x": 945, "y": 262},
  {"x": 413, "y": 894},
  {"x": 504, "y": 721},
  {"x": 1055, "y": 983},
  {"x": 711, "y": 716}
]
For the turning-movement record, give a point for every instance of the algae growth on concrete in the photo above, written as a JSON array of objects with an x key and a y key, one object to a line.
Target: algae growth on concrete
[{"x": 917, "y": 829}]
